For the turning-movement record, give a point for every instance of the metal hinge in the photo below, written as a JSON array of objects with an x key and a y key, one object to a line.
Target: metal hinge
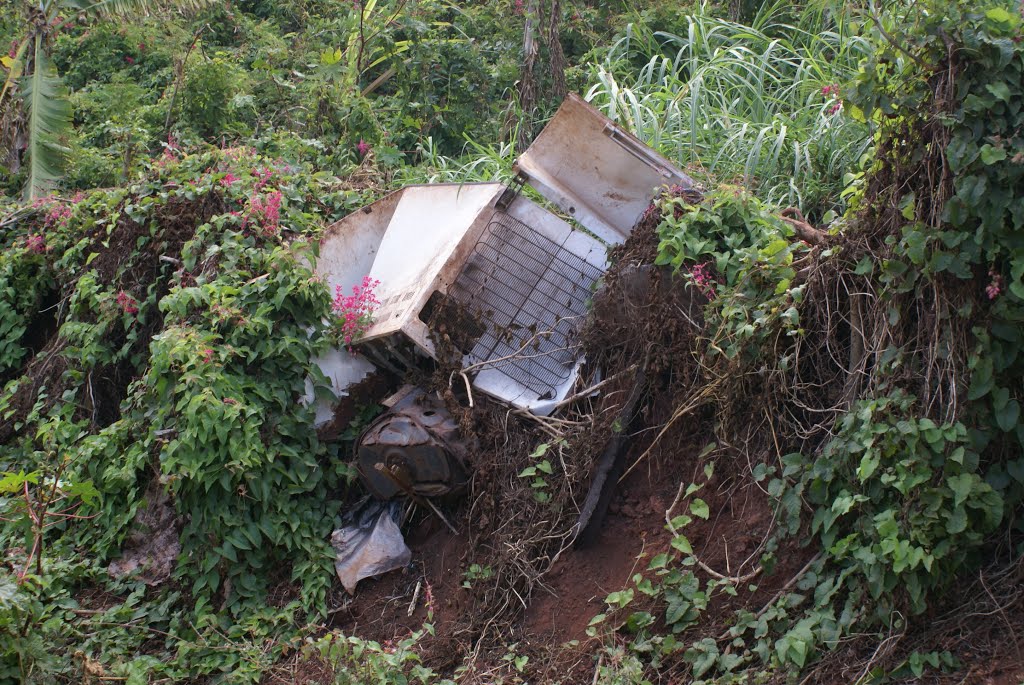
[{"x": 512, "y": 191}]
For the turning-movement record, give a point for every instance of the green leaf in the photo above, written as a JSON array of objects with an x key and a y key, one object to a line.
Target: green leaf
[
  {"x": 621, "y": 598},
  {"x": 1000, "y": 15},
  {"x": 1008, "y": 415},
  {"x": 680, "y": 543},
  {"x": 541, "y": 450},
  {"x": 991, "y": 155},
  {"x": 961, "y": 486},
  {"x": 1000, "y": 90},
  {"x": 700, "y": 509},
  {"x": 49, "y": 119},
  {"x": 868, "y": 463}
]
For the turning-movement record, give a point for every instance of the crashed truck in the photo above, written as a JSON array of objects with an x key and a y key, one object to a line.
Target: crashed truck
[{"x": 513, "y": 278}]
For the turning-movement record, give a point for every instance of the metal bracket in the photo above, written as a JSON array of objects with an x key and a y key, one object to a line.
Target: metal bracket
[
  {"x": 637, "y": 150},
  {"x": 515, "y": 187}
]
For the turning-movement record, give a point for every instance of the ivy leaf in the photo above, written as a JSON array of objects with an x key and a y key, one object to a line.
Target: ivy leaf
[
  {"x": 1000, "y": 90},
  {"x": 682, "y": 544},
  {"x": 1000, "y": 16},
  {"x": 621, "y": 598},
  {"x": 700, "y": 509},
  {"x": 1007, "y": 417},
  {"x": 956, "y": 521},
  {"x": 1016, "y": 469},
  {"x": 867, "y": 467},
  {"x": 991, "y": 154},
  {"x": 961, "y": 486}
]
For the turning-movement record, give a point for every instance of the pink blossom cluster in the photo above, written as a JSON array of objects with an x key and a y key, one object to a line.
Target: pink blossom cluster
[
  {"x": 355, "y": 311},
  {"x": 832, "y": 91},
  {"x": 57, "y": 216},
  {"x": 363, "y": 147},
  {"x": 207, "y": 355},
  {"x": 172, "y": 148},
  {"x": 171, "y": 151},
  {"x": 995, "y": 286},
  {"x": 702, "y": 277},
  {"x": 265, "y": 210},
  {"x": 12, "y": 53},
  {"x": 127, "y": 303},
  {"x": 36, "y": 243},
  {"x": 228, "y": 179},
  {"x": 264, "y": 176}
]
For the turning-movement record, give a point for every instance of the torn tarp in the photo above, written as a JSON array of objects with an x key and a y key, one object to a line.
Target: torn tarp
[{"x": 370, "y": 543}]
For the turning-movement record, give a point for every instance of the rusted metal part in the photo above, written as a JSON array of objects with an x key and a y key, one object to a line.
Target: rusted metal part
[{"x": 415, "y": 448}]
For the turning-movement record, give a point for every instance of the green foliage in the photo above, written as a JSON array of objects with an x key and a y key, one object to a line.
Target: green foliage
[
  {"x": 213, "y": 97},
  {"x": 215, "y": 347},
  {"x": 538, "y": 472},
  {"x": 24, "y": 277},
  {"x": 224, "y": 376},
  {"x": 750, "y": 105},
  {"x": 898, "y": 498},
  {"x": 365, "y": 662},
  {"x": 212, "y": 347},
  {"x": 48, "y": 114}
]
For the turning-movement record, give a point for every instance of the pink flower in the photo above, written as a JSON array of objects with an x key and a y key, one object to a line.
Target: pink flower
[
  {"x": 263, "y": 178},
  {"x": 171, "y": 149},
  {"x": 995, "y": 286},
  {"x": 127, "y": 303},
  {"x": 835, "y": 107},
  {"x": 57, "y": 215},
  {"x": 207, "y": 355},
  {"x": 36, "y": 243},
  {"x": 267, "y": 211},
  {"x": 701, "y": 275},
  {"x": 830, "y": 90},
  {"x": 129, "y": 59},
  {"x": 228, "y": 179},
  {"x": 355, "y": 311},
  {"x": 363, "y": 147}
]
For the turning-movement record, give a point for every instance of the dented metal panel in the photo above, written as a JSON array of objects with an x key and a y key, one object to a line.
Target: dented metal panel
[
  {"x": 521, "y": 273},
  {"x": 600, "y": 175}
]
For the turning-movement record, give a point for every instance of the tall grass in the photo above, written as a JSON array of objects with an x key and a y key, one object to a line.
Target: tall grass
[
  {"x": 744, "y": 104},
  {"x": 480, "y": 162},
  {"x": 729, "y": 102}
]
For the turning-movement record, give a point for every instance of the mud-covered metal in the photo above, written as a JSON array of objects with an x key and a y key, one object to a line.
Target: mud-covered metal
[
  {"x": 525, "y": 273},
  {"x": 413, "y": 449}
]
